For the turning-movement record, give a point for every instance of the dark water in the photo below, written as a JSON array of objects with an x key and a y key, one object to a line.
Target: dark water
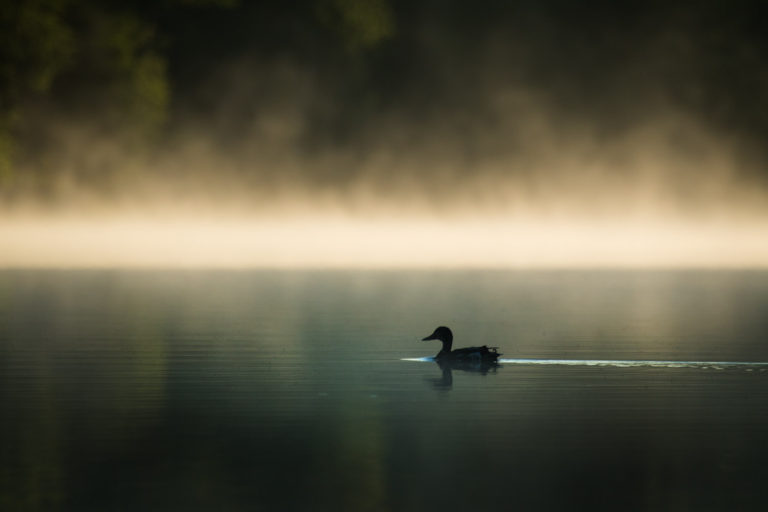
[{"x": 259, "y": 390}]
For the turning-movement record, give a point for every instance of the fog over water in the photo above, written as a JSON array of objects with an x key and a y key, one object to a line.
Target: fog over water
[{"x": 619, "y": 135}]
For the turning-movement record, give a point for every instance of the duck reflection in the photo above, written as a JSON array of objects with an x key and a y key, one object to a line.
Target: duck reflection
[{"x": 445, "y": 381}]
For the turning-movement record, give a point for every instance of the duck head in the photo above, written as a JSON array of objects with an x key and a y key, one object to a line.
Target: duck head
[{"x": 443, "y": 334}]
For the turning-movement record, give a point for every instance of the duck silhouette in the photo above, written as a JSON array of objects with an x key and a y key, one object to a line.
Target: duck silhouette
[{"x": 462, "y": 356}]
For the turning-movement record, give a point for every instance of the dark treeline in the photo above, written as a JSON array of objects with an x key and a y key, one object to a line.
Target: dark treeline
[{"x": 93, "y": 89}]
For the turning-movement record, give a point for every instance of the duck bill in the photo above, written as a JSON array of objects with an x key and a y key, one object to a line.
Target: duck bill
[{"x": 430, "y": 337}]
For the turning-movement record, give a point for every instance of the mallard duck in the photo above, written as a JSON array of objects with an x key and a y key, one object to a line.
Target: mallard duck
[{"x": 482, "y": 354}]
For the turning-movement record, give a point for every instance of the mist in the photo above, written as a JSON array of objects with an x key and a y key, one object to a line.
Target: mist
[{"x": 438, "y": 134}]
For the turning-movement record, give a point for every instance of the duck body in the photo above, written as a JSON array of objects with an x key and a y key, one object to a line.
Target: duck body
[
  {"x": 468, "y": 355},
  {"x": 484, "y": 354}
]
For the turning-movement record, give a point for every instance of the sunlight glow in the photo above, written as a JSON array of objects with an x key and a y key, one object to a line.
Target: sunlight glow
[{"x": 338, "y": 242}]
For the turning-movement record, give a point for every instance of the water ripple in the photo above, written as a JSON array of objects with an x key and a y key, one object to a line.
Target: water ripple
[{"x": 761, "y": 365}]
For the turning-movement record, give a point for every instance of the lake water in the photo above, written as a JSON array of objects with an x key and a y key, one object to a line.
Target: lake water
[{"x": 288, "y": 390}]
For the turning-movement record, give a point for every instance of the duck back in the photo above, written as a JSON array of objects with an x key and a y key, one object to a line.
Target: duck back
[{"x": 480, "y": 354}]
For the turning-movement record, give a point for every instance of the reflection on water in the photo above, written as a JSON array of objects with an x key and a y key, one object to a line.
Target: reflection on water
[
  {"x": 228, "y": 390},
  {"x": 447, "y": 367}
]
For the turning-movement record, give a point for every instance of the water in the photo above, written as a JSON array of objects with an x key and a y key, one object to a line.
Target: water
[{"x": 263, "y": 390}]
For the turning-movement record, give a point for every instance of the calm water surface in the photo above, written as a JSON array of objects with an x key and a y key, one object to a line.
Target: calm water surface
[{"x": 260, "y": 390}]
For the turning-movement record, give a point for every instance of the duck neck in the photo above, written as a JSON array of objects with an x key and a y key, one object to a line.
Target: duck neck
[{"x": 447, "y": 344}]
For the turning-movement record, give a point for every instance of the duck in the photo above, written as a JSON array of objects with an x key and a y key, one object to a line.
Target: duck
[{"x": 481, "y": 355}]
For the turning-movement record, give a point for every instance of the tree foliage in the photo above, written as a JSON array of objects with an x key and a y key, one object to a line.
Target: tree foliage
[
  {"x": 61, "y": 61},
  {"x": 103, "y": 67}
]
